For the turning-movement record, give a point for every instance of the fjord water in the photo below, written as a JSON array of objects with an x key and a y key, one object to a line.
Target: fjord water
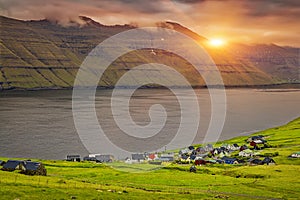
[{"x": 39, "y": 124}]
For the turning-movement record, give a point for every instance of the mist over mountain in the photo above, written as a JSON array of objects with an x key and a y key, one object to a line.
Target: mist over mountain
[{"x": 46, "y": 54}]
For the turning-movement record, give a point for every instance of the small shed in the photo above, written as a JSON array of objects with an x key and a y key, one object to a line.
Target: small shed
[
  {"x": 12, "y": 165},
  {"x": 73, "y": 158}
]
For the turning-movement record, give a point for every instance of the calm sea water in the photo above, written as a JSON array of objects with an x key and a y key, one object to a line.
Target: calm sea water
[{"x": 40, "y": 124}]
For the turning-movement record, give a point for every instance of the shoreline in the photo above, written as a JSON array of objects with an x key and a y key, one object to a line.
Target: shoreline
[{"x": 278, "y": 86}]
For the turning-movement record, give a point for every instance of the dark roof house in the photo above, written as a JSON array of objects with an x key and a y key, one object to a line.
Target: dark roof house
[
  {"x": 254, "y": 161},
  {"x": 34, "y": 168},
  {"x": 191, "y": 147},
  {"x": 138, "y": 156},
  {"x": 2, "y": 162},
  {"x": 193, "y": 169},
  {"x": 200, "y": 162},
  {"x": 105, "y": 158},
  {"x": 26, "y": 167},
  {"x": 228, "y": 160},
  {"x": 12, "y": 165},
  {"x": 87, "y": 158},
  {"x": 243, "y": 147},
  {"x": 74, "y": 158},
  {"x": 193, "y": 157},
  {"x": 167, "y": 158},
  {"x": 268, "y": 161}
]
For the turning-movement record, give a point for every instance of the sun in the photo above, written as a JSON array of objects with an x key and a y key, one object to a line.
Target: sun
[{"x": 216, "y": 42}]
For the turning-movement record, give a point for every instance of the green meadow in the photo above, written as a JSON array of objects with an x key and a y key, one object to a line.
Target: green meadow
[{"x": 84, "y": 180}]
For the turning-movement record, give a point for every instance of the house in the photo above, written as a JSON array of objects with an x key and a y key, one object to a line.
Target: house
[
  {"x": 184, "y": 159},
  {"x": 228, "y": 160},
  {"x": 193, "y": 157},
  {"x": 232, "y": 147},
  {"x": 87, "y": 158},
  {"x": 191, "y": 147},
  {"x": 200, "y": 162},
  {"x": 184, "y": 156},
  {"x": 295, "y": 155},
  {"x": 256, "y": 137},
  {"x": 26, "y": 167},
  {"x": 268, "y": 161},
  {"x": 223, "y": 153},
  {"x": 185, "y": 151},
  {"x": 152, "y": 156},
  {"x": 2, "y": 162},
  {"x": 167, "y": 157},
  {"x": 201, "y": 155},
  {"x": 243, "y": 147},
  {"x": 93, "y": 155},
  {"x": 201, "y": 150},
  {"x": 104, "y": 158},
  {"x": 193, "y": 169},
  {"x": 216, "y": 151},
  {"x": 34, "y": 168},
  {"x": 137, "y": 157},
  {"x": 73, "y": 158},
  {"x": 208, "y": 147},
  {"x": 219, "y": 161},
  {"x": 246, "y": 153},
  {"x": 254, "y": 161},
  {"x": 12, "y": 165}
]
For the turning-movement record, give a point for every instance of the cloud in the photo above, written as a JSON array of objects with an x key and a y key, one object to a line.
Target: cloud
[{"x": 228, "y": 18}]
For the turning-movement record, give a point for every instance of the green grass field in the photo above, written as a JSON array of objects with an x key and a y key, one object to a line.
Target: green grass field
[{"x": 67, "y": 180}]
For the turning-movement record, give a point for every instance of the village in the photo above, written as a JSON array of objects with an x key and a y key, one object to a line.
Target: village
[{"x": 246, "y": 154}]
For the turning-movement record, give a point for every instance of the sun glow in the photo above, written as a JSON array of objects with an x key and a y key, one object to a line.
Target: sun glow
[{"x": 217, "y": 42}]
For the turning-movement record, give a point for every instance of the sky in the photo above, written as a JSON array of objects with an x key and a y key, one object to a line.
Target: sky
[{"x": 243, "y": 21}]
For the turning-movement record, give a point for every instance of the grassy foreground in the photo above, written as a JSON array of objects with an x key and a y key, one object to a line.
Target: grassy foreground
[{"x": 67, "y": 180}]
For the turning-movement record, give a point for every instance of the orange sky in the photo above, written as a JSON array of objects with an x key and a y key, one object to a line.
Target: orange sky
[{"x": 245, "y": 21}]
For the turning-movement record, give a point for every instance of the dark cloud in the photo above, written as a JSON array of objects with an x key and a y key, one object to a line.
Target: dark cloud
[{"x": 280, "y": 8}]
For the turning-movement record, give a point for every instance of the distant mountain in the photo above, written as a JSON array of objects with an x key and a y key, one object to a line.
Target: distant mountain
[{"x": 45, "y": 54}]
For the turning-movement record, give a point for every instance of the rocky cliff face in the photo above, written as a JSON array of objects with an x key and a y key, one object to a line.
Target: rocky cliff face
[{"x": 44, "y": 54}]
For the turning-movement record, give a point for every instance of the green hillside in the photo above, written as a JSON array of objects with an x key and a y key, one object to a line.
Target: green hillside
[
  {"x": 68, "y": 180},
  {"x": 44, "y": 54}
]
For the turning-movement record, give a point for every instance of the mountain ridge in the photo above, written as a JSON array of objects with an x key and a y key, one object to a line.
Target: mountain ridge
[{"x": 44, "y": 54}]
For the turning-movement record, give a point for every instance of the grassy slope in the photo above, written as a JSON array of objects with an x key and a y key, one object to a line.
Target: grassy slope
[
  {"x": 46, "y": 55},
  {"x": 96, "y": 181}
]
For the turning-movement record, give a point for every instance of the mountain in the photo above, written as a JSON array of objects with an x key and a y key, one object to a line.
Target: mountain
[{"x": 46, "y": 54}]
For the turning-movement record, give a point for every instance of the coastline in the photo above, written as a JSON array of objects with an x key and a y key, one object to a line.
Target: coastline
[{"x": 283, "y": 86}]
